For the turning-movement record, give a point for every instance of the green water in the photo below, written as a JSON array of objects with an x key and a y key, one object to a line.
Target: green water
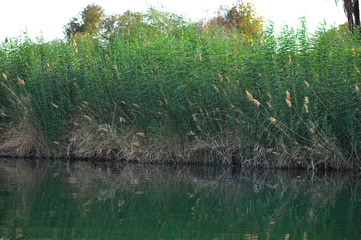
[{"x": 81, "y": 200}]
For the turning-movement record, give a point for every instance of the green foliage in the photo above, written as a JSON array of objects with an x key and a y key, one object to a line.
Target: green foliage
[
  {"x": 242, "y": 18},
  {"x": 127, "y": 23},
  {"x": 153, "y": 22},
  {"x": 90, "y": 22},
  {"x": 185, "y": 85}
]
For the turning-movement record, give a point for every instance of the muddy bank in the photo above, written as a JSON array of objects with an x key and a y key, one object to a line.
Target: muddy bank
[{"x": 101, "y": 143}]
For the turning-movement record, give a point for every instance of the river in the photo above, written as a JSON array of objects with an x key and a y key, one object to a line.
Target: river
[{"x": 92, "y": 200}]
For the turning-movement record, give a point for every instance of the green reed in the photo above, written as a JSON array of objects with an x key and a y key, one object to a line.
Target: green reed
[{"x": 192, "y": 85}]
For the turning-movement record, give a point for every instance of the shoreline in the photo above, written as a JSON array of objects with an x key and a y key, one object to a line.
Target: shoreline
[{"x": 199, "y": 153}]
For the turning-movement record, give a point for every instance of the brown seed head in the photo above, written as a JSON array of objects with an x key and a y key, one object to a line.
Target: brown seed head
[
  {"x": 142, "y": 134},
  {"x": 116, "y": 70},
  {"x": 307, "y": 84},
  {"x": 288, "y": 103},
  {"x": 288, "y": 95},
  {"x": 54, "y": 105},
  {"x": 269, "y": 105},
  {"x": 191, "y": 133},
  {"x": 272, "y": 119},
  {"x": 87, "y": 117},
  {"x": 256, "y": 102},
  {"x": 194, "y": 116},
  {"x": 220, "y": 77},
  {"x": 122, "y": 120},
  {"x": 306, "y": 108},
  {"x": 228, "y": 80},
  {"x": 21, "y": 82},
  {"x": 215, "y": 88},
  {"x": 358, "y": 71},
  {"x": 306, "y": 100},
  {"x": 249, "y": 95}
]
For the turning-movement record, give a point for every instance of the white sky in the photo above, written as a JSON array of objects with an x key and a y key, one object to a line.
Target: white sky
[{"x": 47, "y": 17}]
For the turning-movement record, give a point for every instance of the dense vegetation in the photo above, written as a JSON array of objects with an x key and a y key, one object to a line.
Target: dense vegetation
[{"x": 206, "y": 95}]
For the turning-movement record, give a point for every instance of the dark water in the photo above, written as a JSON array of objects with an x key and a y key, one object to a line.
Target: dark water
[{"x": 80, "y": 200}]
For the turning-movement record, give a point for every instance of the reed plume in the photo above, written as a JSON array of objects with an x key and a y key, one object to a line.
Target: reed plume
[
  {"x": 288, "y": 103},
  {"x": 249, "y": 95},
  {"x": 307, "y": 84},
  {"x": 88, "y": 117},
  {"x": 272, "y": 119},
  {"x": 288, "y": 95},
  {"x": 306, "y": 100}
]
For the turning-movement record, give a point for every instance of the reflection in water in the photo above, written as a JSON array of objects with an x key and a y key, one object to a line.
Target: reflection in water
[{"x": 82, "y": 200}]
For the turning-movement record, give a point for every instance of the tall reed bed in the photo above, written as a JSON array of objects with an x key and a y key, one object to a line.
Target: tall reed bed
[{"x": 201, "y": 96}]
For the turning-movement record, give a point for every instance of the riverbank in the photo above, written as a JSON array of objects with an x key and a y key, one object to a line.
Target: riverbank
[
  {"x": 205, "y": 97},
  {"x": 100, "y": 144}
]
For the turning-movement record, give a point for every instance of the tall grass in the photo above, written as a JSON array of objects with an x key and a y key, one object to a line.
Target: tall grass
[{"x": 280, "y": 101}]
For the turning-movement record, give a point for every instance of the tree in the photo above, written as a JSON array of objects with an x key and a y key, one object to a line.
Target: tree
[
  {"x": 151, "y": 23},
  {"x": 242, "y": 17},
  {"x": 93, "y": 21},
  {"x": 352, "y": 11},
  {"x": 90, "y": 21},
  {"x": 129, "y": 22}
]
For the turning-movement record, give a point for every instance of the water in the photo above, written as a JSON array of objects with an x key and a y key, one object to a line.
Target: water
[{"x": 81, "y": 200}]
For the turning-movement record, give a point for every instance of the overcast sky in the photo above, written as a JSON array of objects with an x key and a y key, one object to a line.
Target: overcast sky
[{"x": 47, "y": 17}]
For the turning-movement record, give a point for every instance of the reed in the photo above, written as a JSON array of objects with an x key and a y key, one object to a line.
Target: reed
[{"x": 191, "y": 87}]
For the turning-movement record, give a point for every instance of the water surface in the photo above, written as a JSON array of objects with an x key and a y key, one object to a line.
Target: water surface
[{"x": 82, "y": 200}]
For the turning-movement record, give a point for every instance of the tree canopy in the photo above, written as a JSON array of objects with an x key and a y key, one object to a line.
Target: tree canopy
[
  {"x": 90, "y": 21},
  {"x": 93, "y": 21},
  {"x": 241, "y": 17}
]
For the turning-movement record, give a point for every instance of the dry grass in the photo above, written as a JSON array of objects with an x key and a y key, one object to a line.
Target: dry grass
[
  {"x": 22, "y": 141},
  {"x": 89, "y": 141}
]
